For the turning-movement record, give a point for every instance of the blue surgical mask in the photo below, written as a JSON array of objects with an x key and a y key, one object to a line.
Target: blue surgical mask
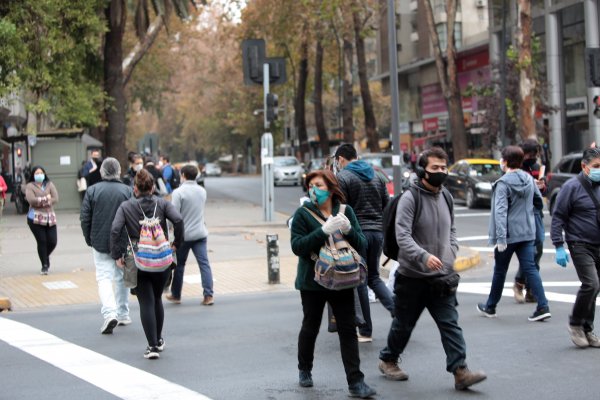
[
  {"x": 39, "y": 178},
  {"x": 318, "y": 196},
  {"x": 594, "y": 174}
]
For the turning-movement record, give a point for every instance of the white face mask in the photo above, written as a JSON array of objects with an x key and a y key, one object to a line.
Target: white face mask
[{"x": 138, "y": 167}]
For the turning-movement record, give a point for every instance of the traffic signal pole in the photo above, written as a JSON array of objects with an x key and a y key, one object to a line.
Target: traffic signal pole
[
  {"x": 266, "y": 155},
  {"x": 592, "y": 39}
]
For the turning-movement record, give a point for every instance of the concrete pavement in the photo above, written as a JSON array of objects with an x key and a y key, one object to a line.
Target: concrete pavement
[{"x": 236, "y": 245}]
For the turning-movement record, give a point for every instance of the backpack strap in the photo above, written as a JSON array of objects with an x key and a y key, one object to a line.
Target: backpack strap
[
  {"x": 321, "y": 220},
  {"x": 589, "y": 191},
  {"x": 417, "y": 199}
]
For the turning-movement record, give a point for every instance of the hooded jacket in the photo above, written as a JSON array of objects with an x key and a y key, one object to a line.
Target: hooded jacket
[
  {"x": 512, "y": 219},
  {"x": 365, "y": 192},
  {"x": 433, "y": 234},
  {"x": 308, "y": 237}
]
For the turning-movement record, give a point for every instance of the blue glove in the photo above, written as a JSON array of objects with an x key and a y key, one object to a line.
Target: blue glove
[{"x": 562, "y": 258}]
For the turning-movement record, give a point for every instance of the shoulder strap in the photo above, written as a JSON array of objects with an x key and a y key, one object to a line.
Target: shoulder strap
[
  {"x": 448, "y": 198},
  {"x": 417, "y": 199},
  {"x": 588, "y": 189},
  {"x": 315, "y": 216}
]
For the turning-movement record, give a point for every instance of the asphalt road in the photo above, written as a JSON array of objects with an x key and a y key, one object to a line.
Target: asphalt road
[{"x": 245, "y": 346}]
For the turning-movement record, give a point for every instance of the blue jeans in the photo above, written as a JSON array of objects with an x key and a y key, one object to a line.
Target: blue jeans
[
  {"x": 372, "y": 253},
  {"x": 198, "y": 247},
  {"x": 525, "y": 253},
  {"x": 586, "y": 258},
  {"x": 413, "y": 295},
  {"x": 539, "y": 246}
]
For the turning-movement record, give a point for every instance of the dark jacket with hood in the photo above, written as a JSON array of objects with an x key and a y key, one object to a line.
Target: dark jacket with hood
[
  {"x": 128, "y": 219},
  {"x": 308, "y": 237},
  {"x": 98, "y": 210},
  {"x": 365, "y": 192}
]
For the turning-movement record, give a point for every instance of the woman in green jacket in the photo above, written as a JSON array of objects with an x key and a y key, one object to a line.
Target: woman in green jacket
[{"x": 308, "y": 235}]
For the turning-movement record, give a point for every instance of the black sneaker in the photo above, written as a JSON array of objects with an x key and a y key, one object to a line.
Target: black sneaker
[
  {"x": 151, "y": 353},
  {"x": 305, "y": 379},
  {"x": 108, "y": 325},
  {"x": 161, "y": 344},
  {"x": 540, "y": 314},
  {"x": 486, "y": 311},
  {"x": 361, "y": 390},
  {"x": 44, "y": 270}
]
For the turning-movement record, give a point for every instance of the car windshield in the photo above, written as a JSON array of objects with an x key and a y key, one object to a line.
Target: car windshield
[
  {"x": 285, "y": 162},
  {"x": 484, "y": 169},
  {"x": 381, "y": 162}
]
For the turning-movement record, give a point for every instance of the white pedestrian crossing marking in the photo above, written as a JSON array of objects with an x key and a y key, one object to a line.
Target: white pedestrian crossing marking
[{"x": 115, "y": 377}]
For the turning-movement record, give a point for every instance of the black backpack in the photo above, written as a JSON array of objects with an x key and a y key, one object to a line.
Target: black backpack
[
  {"x": 175, "y": 179},
  {"x": 390, "y": 245}
]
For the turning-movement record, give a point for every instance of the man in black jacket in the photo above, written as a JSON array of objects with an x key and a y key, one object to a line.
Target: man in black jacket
[
  {"x": 367, "y": 195},
  {"x": 98, "y": 210}
]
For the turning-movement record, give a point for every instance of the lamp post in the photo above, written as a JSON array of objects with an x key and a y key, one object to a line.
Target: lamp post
[{"x": 393, "y": 67}]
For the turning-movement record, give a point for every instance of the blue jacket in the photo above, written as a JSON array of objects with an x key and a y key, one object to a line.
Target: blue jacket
[
  {"x": 575, "y": 214},
  {"x": 512, "y": 219}
]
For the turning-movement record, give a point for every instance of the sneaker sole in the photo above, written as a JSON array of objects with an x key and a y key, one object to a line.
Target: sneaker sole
[
  {"x": 152, "y": 356},
  {"x": 124, "y": 323},
  {"x": 540, "y": 318},
  {"x": 109, "y": 328},
  {"x": 484, "y": 314}
]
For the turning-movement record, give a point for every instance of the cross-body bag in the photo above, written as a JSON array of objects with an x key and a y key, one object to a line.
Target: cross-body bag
[
  {"x": 588, "y": 188},
  {"x": 338, "y": 265}
]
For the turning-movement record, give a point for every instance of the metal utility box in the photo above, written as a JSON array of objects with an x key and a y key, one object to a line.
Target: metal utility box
[{"x": 61, "y": 153}]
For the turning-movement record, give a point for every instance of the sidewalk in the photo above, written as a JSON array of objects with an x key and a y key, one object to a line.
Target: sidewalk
[{"x": 236, "y": 249}]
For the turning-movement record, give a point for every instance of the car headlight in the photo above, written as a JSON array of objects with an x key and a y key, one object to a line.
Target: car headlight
[{"x": 483, "y": 185}]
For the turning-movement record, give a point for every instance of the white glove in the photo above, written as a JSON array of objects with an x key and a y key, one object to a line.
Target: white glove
[
  {"x": 501, "y": 247},
  {"x": 346, "y": 226},
  {"x": 331, "y": 225}
]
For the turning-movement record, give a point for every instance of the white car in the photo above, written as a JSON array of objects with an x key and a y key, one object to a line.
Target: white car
[
  {"x": 212, "y": 169},
  {"x": 287, "y": 171}
]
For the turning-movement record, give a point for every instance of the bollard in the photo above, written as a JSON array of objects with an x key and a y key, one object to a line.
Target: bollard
[{"x": 273, "y": 258}]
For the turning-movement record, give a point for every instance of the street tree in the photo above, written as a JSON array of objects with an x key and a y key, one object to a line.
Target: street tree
[
  {"x": 526, "y": 72},
  {"x": 447, "y": 73},
  {"x": 49, "y": 53}
]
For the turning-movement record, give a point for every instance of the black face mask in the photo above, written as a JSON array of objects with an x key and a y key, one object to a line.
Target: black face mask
[{"x": 436, "y": 179}]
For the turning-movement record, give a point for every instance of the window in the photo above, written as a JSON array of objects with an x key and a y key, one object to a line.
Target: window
[{"x": 442, "y": 30}]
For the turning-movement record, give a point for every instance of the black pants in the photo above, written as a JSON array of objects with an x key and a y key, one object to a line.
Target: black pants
[
  {"x": 149, "y": 291},
  {"x": 586, "y": 258},
  {"x": 342, "y": 302},
  {"x": 46, "y": 239},
  {"x": 412, "y": 297}
]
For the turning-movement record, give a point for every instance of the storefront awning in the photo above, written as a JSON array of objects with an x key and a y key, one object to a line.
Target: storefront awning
[{"x": 422, "y": 140}]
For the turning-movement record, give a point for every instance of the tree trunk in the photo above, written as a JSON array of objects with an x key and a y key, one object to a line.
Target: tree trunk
[
  {"x": 319, "y": 117},
  {"x": 367, "y": 102},
  {"x": 448, "y": 77},
  {"x": 116, "y": 16},
  {"x": 347, "y": 107},
  {"x": 526, "y": 78},
  {"x": 300, "y": 117}
]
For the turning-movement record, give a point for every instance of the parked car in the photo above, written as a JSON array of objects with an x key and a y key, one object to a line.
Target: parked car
[
  {"x": 287, "y": 170},
  {"x": 383, "y": 161},
  {"x": 568, "y": 167},
  {"x": 212, "y": 169},
  {"x": 471, "y": 180}
]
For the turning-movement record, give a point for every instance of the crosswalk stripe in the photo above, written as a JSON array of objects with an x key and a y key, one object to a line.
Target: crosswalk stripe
[{"x": 115, "y": 377}]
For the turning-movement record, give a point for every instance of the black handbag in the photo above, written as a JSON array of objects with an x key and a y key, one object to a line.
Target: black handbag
[{"x": 445, "y": 285}]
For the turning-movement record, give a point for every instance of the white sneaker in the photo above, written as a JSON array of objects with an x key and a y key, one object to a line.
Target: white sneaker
[
  {"x": 592, "y": 339},
  {"x": 108, "y": 325},
  {"x": 124, "y": 321},
  {"x": 364, "y": 339}
]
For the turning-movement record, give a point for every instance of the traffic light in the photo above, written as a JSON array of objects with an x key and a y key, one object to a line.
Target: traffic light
[
  {"x": 597, "y": 106},
  {"x": 272, "y": 107}
]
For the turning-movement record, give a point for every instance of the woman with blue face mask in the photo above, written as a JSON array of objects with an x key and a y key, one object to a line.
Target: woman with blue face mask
[
  {"x": 307, "y": 236},
  {"x": 41, "y": 195}
]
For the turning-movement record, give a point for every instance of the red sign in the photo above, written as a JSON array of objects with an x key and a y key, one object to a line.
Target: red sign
[{"x": 430, "y": 124}]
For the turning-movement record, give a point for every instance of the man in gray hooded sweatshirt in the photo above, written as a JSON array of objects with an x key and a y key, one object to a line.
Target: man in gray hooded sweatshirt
[{"x": 512, "y": 230}]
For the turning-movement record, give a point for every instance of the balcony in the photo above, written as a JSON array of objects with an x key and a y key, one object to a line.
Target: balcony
[{"x": 12, "y": 108}]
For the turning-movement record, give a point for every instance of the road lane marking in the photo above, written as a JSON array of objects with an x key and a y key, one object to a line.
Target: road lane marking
[
  {"x": 491, "y": 250},
  {"x": 480, "y": 237},
  {"x": 484, "y": 289},
  {"x": 114, "y": 377}
]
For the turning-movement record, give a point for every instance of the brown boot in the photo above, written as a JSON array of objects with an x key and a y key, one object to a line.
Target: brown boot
[
  {"x": 392, "y": 371},
  {"x": 463, "y": 378},
  {"x": 518, "y": 292}
]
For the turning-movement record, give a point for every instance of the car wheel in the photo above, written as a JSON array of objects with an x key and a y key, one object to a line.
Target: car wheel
[{"x": 471, "y": 199}]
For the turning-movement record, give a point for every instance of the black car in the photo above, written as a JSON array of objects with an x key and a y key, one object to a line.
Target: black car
[
  {"x": 471, "y": 180},
  {"x": 568, "y": 167}
]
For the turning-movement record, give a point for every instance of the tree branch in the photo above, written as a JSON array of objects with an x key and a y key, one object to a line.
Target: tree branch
[{"x": 140, "y": 49}]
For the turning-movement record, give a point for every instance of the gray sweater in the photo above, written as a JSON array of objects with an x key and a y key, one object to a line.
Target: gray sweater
[
  {"x": 189, "y": 199},
  {"x": 433, "y": 234}
]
